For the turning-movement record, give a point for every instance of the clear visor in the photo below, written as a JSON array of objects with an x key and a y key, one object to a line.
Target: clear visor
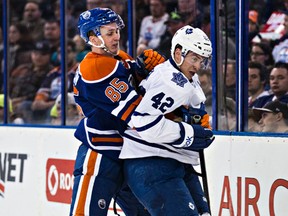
[
  {"x": 206, "y": 62},
  {"x": 197, "y": 59}
]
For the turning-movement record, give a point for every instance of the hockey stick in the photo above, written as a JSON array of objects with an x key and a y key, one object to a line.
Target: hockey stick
[{"x": 204, "y": 176}]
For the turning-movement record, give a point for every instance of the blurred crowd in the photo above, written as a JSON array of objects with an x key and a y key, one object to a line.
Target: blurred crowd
[{"x": 34, "y": 60}]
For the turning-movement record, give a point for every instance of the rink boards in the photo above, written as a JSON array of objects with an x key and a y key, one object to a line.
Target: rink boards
[{"x": 247, "y": 175}]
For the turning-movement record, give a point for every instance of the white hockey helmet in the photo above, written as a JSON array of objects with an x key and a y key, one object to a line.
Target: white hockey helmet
[{"x": 191, "y": 39}]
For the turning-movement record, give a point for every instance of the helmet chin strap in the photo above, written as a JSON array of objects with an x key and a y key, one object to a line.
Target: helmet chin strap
[
  {"x": 183, "y": 54},
  {"x": 102, "y": 46},
  {"x": 181, "y": 61}
]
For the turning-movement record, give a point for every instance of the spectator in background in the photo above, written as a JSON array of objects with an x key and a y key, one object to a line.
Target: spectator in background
[
  {"x": 20, "y": 45},
  {"x": 80, "y": 48},
  {"x": 10, "y": 109},
  {"x": 206, "y": 24},
  {"x": 230, "y": 79},
  {"x": 119, "y": 6},
  {"x": 32, "y": 20},
  {"x": 152, "y": 26},
  {"x": 284, "y": 37},
  {"x": 51, "y": 86},
  {"x": 90, "y": 4},
  {"x": 26, "y": 79},
  {"x": 253, "y": 125},
  {"x": 278, "y": 80},
  {"x": 73, "y": 116},
  {"x": 205, "y": 79},
  {"x": 280, "y": 50},
  {"x": 227, "y": 119},
  {"x": 174, "y": 23},
  {"x": 52, "y": 33},
  {"x": 12, "y": 117},
  {"x": 142, "y": 11},
  {"x": 262, "y": 53},
  {"x": 191, "y": 11},
  {"x": 71, "y": 21},
  {"x": 253, "y": 27},
  {"x": 257, "y": 79},
  {"x": 273, "y": 117}
]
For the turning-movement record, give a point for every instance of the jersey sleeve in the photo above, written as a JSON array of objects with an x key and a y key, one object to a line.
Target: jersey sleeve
[{"x": 102, "y": 82}]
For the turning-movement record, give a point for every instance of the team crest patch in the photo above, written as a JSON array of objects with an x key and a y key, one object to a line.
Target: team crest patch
[
  {"x": 102, "y": 203},
  {"x": 179, "y": 79},
  {"x": 86, "y": 15},
  {"x": 189, "y": 31}
]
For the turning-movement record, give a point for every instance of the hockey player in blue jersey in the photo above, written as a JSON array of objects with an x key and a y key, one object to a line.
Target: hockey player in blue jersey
[
  {"x": 107, "y": 100},
  {"x": 158, "y": 151}
]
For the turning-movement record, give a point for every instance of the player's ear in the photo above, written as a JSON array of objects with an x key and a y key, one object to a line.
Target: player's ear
[
  {"x": 177, "y": 55},
  {"x": 94, "y": 39}
]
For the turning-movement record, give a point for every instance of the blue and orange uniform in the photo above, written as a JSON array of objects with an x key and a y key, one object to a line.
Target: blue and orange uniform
[{"x": 106, "y": 98}]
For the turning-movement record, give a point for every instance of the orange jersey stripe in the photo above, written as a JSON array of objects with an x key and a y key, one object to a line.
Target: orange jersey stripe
[
  {"x": 106, "y": 139},
  {"x": 131, "y": 108},
  {"x": 75, "y": 91},
  {"x": 95, "y": 67},
  {"x": 85, "y": 184}
]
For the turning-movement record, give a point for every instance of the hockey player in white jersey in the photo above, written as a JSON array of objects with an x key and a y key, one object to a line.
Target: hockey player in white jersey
[{"x": 158, "y": 150}]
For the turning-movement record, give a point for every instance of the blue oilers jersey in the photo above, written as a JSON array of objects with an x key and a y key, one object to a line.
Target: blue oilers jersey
[
  {"x": 166, "y": 89},
  {"x": 106, "y": 99}
]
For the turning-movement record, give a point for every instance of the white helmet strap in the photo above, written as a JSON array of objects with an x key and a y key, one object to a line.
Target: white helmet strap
[
  {"x": 102, "y": 45},
  {"x": 181, "y": 61},
  {"x": 183, "y": 54}
]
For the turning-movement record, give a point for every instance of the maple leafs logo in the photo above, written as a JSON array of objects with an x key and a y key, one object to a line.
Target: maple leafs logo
[
  {"x": 179, "y": 79},
  {"x": 189, "y": 31}
]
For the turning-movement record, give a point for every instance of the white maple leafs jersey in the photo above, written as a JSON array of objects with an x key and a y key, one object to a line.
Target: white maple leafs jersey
[{"x": 166, "y": 89}]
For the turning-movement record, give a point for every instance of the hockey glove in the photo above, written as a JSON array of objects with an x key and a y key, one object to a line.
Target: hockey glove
[
  {"x": 202, "y": 138},
  {"x": 147, "y": 60}
]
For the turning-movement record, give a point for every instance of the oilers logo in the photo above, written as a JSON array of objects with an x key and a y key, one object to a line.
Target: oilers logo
[{"x": 86, "y": 15}]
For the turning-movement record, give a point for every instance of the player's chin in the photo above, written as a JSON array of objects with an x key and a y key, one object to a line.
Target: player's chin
[
  {"x": 192, "y": 73},
  {"x": 114, "y": 49}
]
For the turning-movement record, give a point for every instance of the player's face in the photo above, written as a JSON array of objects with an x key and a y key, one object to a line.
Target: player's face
[
  {"x": 111, "y": 36},
  {"x": 191, "y": 64}
]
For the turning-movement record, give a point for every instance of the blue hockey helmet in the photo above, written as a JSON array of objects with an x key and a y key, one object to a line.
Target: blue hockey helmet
[{"x": 95, "y": 18}]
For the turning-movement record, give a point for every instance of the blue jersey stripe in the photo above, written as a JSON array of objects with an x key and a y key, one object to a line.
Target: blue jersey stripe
[{"x": 153, "y": 123}]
